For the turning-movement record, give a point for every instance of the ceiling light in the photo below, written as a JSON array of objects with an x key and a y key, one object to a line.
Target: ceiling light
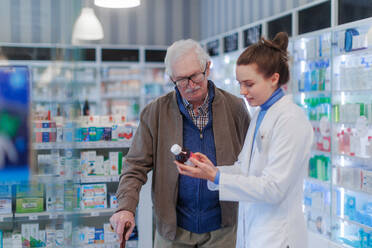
[
  {"x": 117, "y": 3},
  {"x": 87, "y": 27}
]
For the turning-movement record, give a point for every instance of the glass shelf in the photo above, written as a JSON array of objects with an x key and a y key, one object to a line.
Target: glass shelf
[{"x": 82, "y": 145}]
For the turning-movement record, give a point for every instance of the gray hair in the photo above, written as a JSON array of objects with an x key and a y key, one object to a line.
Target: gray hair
[{"x": 182, "y": 47}]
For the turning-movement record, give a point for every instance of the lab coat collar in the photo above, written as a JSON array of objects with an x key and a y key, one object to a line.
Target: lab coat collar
[{"x": 273, "y": 99}]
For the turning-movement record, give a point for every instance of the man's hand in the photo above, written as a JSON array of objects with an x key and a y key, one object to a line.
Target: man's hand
[{"x": 118, "y": 221}]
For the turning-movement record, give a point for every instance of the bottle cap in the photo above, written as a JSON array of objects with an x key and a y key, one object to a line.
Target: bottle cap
[{"x": 176, "y": 149}]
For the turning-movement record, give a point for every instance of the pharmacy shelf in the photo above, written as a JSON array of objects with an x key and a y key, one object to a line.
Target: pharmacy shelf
[
  {"x": 314, "y": 123},
  {"x": 313, "y": 92},
  {"x": 355, "y": 159},
  {"x": 64, "y": 215},
  {"x": 120, "y": 95},
  {"x": 354, "y": 223},
  {"x": 325, "y": 184},
  {"x": 64, "y": 81},
  {"x": 6, "y": 217},
  {"x": 313, "y": 58},
  {"x": 117, "y": 78},
  {"x": 318, "y": 152},
  {"x": 128, "y": 244},
  {"x": 361, "y": 51},
  {"x": 354, "y": 92},
  {"x": 81, "y": 145},
  {"x": 99, "y": 179},
  {"x": 47, "y": 179},
  {"x": 353, "y": 190},
  {"x": 68, "y": 100}
]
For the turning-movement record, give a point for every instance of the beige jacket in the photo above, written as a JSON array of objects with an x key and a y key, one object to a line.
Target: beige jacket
[{"x": 160, "y": 127}]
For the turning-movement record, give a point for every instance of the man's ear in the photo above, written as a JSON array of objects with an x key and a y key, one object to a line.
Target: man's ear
[{"x": 208, "y": 68}]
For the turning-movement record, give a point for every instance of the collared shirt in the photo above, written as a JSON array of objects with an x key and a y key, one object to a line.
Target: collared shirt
[{"x": 201, "y": 118}]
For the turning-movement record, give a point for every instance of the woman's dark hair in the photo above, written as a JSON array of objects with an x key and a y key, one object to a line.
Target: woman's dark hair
[{"x": 270, "y": 56}]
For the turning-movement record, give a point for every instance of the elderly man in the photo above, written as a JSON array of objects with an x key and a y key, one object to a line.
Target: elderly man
[{"x": 202, "y": 118}]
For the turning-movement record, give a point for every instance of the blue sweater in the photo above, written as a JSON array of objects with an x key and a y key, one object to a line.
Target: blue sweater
[{"x": 198, "y": 209}]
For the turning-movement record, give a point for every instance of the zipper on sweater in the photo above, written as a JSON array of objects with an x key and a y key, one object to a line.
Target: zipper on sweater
[{"x": 201, "y": 135}]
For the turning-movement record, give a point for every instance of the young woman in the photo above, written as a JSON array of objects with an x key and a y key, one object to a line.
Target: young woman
[{"x": 267, "y": 179}]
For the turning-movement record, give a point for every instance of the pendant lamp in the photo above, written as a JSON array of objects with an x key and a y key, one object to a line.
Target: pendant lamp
[
  {"x": 87, "y": 27},
  {"x": 117, "y": 3}
]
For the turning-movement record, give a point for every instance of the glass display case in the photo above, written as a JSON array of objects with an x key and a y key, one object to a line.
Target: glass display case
[
  {"x": 223, "y": 72},
  {"x": 82, "y": 118},
  {"x": 352, "y": 135},
  {"x": 311, "y": 84},
  {"x": 332, "y": 83},
  {"x": 331, "y": 80}
]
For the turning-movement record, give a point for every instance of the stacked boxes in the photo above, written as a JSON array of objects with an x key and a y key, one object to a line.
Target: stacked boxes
[
  {"x": 31, "y": 236},
  {"x": 93, "y": 165},
  {"x": 93, "y": 196},
  {"x": 29, "y": 198},
  {"x": 5, "y": 199},
  {"x": 44, "y": 131},
  {"x": 54, "y": 197}
]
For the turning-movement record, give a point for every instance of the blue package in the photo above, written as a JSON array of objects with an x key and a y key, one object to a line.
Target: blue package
[
  {"x": 45, "y": 137},
  {"x": 99, "y": 236},
  {"x": 5, "y": 191},
  {"x": 349, "y": 207},
  {"x": 349, "y": 33}
]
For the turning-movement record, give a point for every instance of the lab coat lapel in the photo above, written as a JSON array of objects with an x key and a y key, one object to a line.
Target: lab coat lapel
[{"x": 247, "y": 149}]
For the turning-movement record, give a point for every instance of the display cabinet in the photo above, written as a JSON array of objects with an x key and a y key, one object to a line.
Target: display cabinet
[
  {"x": 84, "y": 111},
  {"x": 331, "y": 81},
  {"x": 333, "y": 75}
]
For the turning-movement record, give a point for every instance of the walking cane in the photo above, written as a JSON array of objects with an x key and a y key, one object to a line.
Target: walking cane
[{"x": 126, "y": 228}]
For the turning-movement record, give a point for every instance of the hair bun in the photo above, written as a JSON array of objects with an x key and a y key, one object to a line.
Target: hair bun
[{"x": 281, "y": 40}]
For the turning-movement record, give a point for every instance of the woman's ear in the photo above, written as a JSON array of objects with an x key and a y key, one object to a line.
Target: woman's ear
[{"x": 275, "y": 80}]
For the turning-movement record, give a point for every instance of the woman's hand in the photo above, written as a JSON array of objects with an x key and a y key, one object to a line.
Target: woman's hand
[{"x": 203, "y": 168}]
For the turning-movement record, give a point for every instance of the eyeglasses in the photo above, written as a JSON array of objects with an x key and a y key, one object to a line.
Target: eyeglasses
[{"x": 197, "y": 78}]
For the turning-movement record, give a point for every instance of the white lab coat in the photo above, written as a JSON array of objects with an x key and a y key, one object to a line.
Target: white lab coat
[{"x": 269, "y": 186}]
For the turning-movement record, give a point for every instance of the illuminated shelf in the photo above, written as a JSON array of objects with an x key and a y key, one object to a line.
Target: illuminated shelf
[
  {"x": 111, "y": 79},
  {"x": 350, "y": 189},
  {"x": 59, "y": 215},
  {"x": 313, "y": 92},
  {"x": 317, "y": 152},
  {"x": 325, "y": 184},
  {"x": 6, "y": 217},
  {"x": 362, "y": 160},
  {"x": 361, "y": 51},
  {"x": 354, "y": 223},
  {"x": 353, "y": 92},
  {"x": 120, "y": 95},
  {"x": 81, "y": 145}
]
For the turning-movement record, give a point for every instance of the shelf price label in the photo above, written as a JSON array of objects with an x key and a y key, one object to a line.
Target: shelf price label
[
  {"x": 33, "y": 217},
  {"x": 53, "y": 216},
  {"x": 94, "y": 213}
]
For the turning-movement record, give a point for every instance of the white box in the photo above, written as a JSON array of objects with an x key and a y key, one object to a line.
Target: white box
[
  {"x": 113, "y": 201},
  {"x": 109, "y": 235},
  {"x": 34, "y": 231},
  {"x": 60, "y": 238},
  {"x": 5, "y": 206},
  {"x": 17, "y": 240},
  {"x": 50, "y": 235},
  {"x": 26, "y": 232}
]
